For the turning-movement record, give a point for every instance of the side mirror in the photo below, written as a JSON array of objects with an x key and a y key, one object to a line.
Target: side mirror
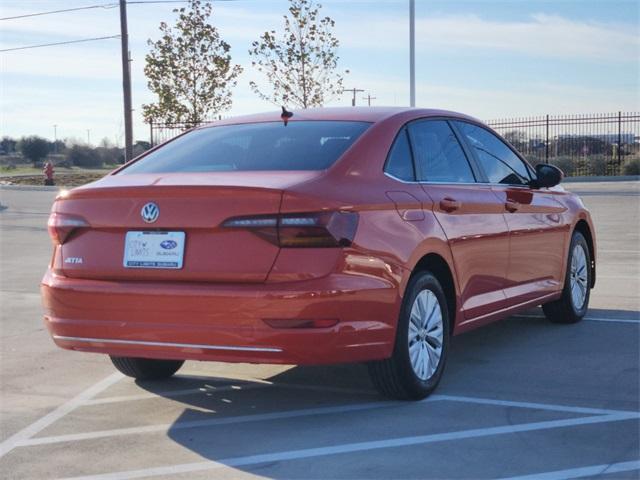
[{"x": 547, "y": 176}]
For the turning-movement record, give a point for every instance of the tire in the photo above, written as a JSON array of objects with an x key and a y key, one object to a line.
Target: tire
[
  {"x": 146, "y": 368},
  {"x": 572, "y": 306},
  {"x": 400, "y": 377}
]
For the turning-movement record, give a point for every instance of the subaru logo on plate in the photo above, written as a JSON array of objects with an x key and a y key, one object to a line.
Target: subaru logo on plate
[
  {"x": 168, "y": 244},
  {"x": 150, "y": 212}
]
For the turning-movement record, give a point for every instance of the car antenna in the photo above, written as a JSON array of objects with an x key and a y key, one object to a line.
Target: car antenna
[{"x": 285, "y": 116}]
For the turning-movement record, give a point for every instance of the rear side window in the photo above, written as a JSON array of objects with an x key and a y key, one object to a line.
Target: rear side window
[
  {"x": 301, "y": 145},
  {"x": 400, "y": 163},
  {"x": 439, "y": 156},
  {"x": 499, "y": 162}
]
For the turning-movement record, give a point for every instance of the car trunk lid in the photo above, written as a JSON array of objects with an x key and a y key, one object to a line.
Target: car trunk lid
[{"x": 195, "y": 205}]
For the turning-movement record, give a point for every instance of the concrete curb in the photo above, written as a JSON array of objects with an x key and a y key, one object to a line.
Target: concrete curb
[
  {"x": 37, "y": 188},
  {"x": 620, "y": 178}
]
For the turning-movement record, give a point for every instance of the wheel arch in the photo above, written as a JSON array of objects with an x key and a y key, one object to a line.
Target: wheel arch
[
  {"x": 439, "y": 267},
  {"x": 583, "y": 227}
]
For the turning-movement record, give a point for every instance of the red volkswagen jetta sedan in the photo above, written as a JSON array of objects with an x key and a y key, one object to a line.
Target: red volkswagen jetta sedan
[{"x": 335, "y": 235}]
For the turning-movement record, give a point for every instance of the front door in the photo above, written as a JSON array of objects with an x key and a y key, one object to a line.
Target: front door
[
  {"x": 469, "y": 213},
  {"x": 537, "y": 242},
  {"x": 538, "y": 231}
]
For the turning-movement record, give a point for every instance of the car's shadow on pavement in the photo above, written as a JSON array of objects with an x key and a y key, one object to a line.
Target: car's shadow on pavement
[{"x": 303, "y": 407}]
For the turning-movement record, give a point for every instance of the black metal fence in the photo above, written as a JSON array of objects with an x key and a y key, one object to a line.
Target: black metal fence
[
  {"x": 581, "y": 145},
  {"x": 161, "y": 132}
]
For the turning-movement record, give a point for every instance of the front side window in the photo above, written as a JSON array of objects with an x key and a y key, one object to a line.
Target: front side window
[
  {"x": 499, "y": 162},
  {"x": 300, "y": 145},
  {"x": 400, "y": 163},
  {"x": 439, "y": 157}
]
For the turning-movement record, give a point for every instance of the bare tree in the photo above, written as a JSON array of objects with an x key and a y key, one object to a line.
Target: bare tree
[{"x": 300, "y": 64}]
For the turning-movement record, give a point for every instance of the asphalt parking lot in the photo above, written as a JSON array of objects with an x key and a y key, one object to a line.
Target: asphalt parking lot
[{"x": 522, "y": 398}]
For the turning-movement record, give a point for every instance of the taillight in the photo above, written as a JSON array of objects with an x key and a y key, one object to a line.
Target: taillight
[
  {"x": 321, "y": 229},
  {"x": 61, "y": 225}
]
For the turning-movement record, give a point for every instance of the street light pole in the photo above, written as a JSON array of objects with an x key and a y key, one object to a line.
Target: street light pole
[
  {"x": 55, "y": 139},
  {"x": 126, "y": 83},
  {"x": 412, "y": 53}
]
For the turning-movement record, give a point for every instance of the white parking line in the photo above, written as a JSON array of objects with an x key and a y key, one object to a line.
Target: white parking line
[
  {"x": 531, "y": 405},
  {"x": 26, "y": 433},
  {"x": 117, "y": 432},
  {"x": 589, "y": 319},
  {"x": 356, "y": 447},
  {"x": 582, "y": 471}
]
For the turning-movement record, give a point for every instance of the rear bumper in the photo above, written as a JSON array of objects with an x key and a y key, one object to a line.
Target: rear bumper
[{"x": 224, "y": 322}]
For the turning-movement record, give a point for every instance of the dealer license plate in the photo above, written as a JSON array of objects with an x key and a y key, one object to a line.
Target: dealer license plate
[{"x": 154, "y": 250}]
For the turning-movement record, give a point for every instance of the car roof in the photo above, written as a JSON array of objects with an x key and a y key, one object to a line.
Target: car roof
[{"x": 354, "y": 114}]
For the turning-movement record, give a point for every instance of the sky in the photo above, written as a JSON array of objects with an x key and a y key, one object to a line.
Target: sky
[{"x": 487, "y": 58}]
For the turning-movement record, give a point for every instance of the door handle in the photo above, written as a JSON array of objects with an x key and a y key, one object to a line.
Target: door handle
[
  {"x": 511, "y": 206},
  {"x": 449, "y": 204}
]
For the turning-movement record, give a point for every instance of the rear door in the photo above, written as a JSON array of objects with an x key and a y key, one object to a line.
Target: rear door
[
  {"x": 469, "y": 213},
  {"x": 538, "y": 232}
]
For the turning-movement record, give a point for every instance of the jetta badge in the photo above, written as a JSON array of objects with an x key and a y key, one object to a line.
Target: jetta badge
[{"x": 150, "y": 212}]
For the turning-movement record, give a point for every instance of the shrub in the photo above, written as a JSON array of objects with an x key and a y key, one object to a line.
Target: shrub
[
  {"x": 109, "y": 155},
  {"x": 565, "y": 164},
  {"x": 82, "y": 156},
  {"x": 598, "y": 165},
  {"x": 632, "y": 166}
]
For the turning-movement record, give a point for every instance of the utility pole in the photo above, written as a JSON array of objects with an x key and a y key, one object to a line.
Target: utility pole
[
  {"x": 412, "y": 53},
  {"x": 368, "y": 98},
  {"x": 55, "y": 139},
  {"x": 354, "y": 91},
  {"x": 88, "y": 137},
  {"x": 126, "y": 82}
]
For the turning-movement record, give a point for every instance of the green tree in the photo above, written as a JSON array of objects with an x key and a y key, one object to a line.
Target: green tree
[
  {"x": 300, "y": 64},
  {"x": 34, "y": 148},
  {"x": 7, "y": 145},
  {"x": 189, "y": 68}
]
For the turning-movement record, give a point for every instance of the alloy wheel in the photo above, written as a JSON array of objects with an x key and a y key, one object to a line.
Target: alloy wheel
[
  {"x": 425, "y": 334},
  {"x": 578, "y": 277}
]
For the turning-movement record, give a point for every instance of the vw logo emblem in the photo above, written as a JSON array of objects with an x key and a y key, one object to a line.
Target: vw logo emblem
[{"x": 150, "y": 212}]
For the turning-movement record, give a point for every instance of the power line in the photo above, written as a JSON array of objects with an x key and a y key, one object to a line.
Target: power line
[
  {"x": 58, "y": 43},
  {"x": 103, "y": 5},
  {"x": 50, "y": 12}
]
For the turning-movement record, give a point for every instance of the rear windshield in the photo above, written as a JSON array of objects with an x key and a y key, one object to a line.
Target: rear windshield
[{"x": 300, "y": 145}]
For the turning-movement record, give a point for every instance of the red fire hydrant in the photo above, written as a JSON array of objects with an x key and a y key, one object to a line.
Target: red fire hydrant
[{"x": 48, "y": 174}]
